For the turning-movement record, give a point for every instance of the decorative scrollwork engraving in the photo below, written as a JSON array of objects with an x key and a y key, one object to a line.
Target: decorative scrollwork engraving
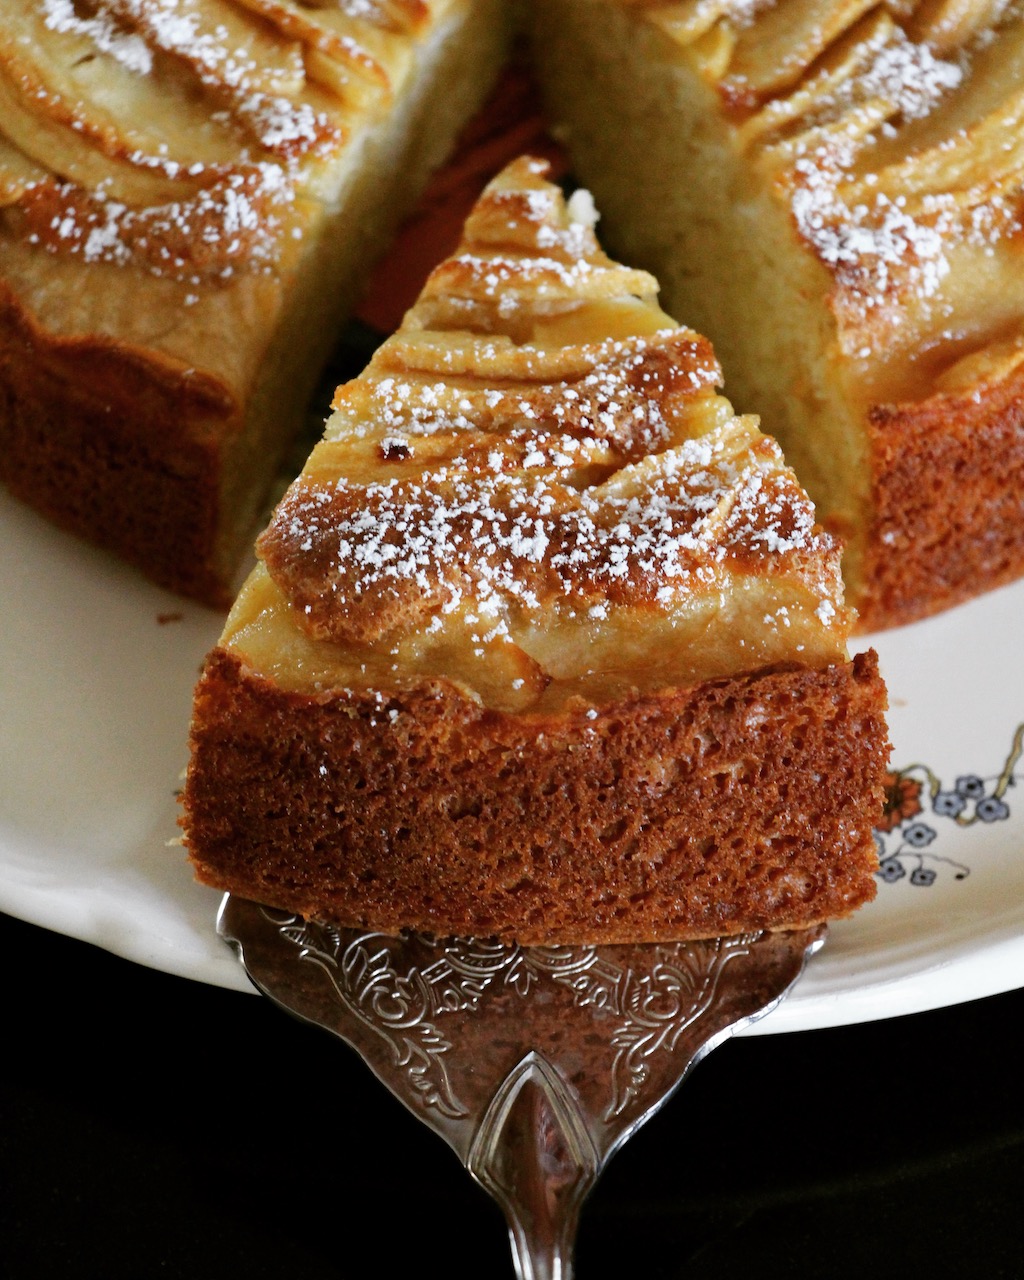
[
  {"x": 652, "y": 1005},
  {"x": 399, "y": 1007},
  {"x": 659, "y": 1005}
]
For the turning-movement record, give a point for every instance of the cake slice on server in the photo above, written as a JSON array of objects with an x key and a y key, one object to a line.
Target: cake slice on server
[{"x": 544, "y": 643}]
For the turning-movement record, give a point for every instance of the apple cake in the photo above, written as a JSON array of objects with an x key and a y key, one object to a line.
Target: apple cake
[
  {"x": 190, "y": 194},
  {"x": 543, "y": 644},
  {"x": 832, "y": 193}
]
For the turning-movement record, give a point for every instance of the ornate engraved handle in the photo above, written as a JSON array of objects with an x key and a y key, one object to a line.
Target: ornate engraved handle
[{"x": 534, "y": 1063}]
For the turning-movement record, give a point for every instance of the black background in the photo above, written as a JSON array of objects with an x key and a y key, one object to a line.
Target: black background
[{"x": 154, "y": 1126}]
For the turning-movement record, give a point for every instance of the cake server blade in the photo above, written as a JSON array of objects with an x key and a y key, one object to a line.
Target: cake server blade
[{"x": 535, "y": 1064}]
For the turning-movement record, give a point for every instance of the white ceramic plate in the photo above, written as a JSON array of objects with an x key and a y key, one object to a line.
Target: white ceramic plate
[{"x": 95, "y": 689}]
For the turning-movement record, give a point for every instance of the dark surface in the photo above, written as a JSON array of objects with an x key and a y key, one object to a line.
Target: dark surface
[{"x": 152, "y": 1126}]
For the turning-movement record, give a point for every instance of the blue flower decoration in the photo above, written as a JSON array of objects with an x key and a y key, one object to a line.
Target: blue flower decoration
[
  {"x": 949, "y": 804},
  {"x": 918, "y": 834},
  {"x": 971, "y": 786},
  {"x": 992, "y": 809},
  {"x": 922, "y": 876},
  {"x": 891, "y": 869}
]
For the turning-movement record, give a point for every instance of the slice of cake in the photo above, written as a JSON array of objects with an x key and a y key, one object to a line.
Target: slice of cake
[
  {"x": 191, "y": 192},
  {"x": 543, "y": 644},
  {"x": 833, "y": 194}
]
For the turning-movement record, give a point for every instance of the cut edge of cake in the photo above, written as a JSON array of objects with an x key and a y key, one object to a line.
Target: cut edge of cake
[{"x": 832, "y": 197}]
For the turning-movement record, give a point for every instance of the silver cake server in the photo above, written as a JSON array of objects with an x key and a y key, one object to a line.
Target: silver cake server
[{"x": 534, "y": 1063}]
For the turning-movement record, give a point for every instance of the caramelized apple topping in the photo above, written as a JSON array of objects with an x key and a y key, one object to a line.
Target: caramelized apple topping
[
  {"x": 568, "y": 485},
  {"x": 894, "y": 133},
  {"x": 182, "y": 135}
]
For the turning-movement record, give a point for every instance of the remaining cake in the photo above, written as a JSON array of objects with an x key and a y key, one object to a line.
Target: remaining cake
[
  {"x": 543, "y": 644},
  {"x": 833, "y": 194},
  {"x": 191, "y": 192}
]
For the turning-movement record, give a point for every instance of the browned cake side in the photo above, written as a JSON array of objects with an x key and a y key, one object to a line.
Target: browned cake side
[
  {"x": 119, "y": 448},
  {"x": 736, "y": 804},
  {"x": 947, "y": 500}
]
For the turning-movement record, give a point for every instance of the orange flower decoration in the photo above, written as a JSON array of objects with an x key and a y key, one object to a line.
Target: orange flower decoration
[{"x": 902, "y": 801}]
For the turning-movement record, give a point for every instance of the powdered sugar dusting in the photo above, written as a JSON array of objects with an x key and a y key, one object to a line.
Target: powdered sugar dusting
[
  {"x": 126, "y": 47},
  {"x": 224, "y": 65},
  {"x": 503, "y": 277},
  {"x": 226, "y": 214},
  {"x": 622, "y": 480},
  {"x": 886, "y": 234},
  {"x": 875, "y": 244},
  {"x": 581, "y": 208},
  {"x": 910, "y": 76},
  {"x": 538, "y": 486},
  {"x": 617, "y": 401},
  {"x": 740, "y": 12},
  {"x": 521, "y": 534},
  {"x": 234, "y": 222}
]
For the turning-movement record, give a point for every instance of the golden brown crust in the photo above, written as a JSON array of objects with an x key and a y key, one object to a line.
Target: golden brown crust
[
  {"x": 738, "y": 804},
  {"x": 948, "y": 501},
  {"x": 118, "y": 447}
]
